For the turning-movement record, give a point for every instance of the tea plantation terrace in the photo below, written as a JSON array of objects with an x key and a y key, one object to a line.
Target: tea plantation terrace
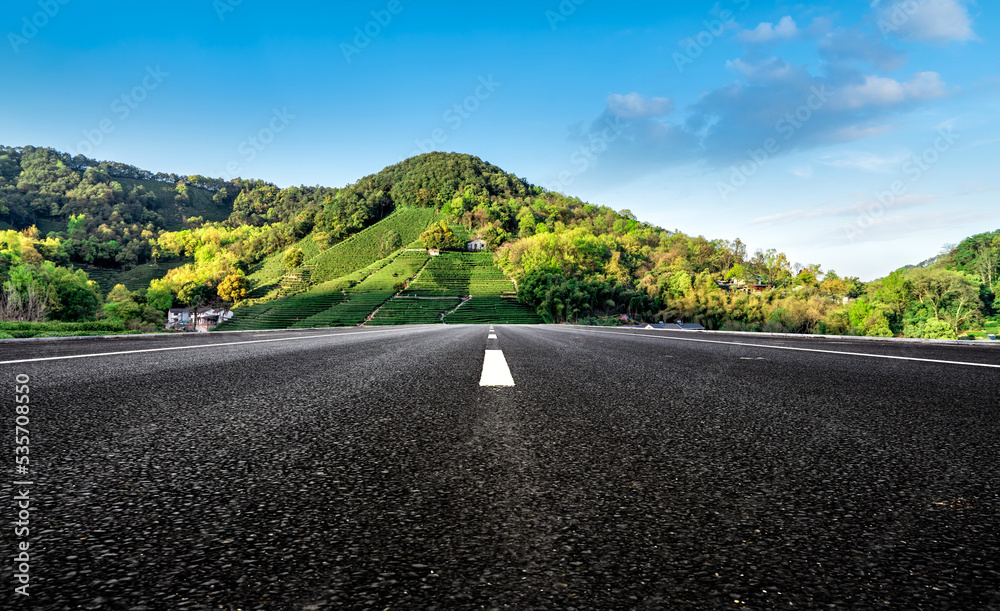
[{"x": 408, "y": 287}]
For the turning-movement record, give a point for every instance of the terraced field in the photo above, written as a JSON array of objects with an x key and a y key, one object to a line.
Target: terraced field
[
  {"x": 269, "y": 271},
  {"x": 459, "y": 274},
  {"x": 287, "y": 312},
  {"x": 364, "y": 248},
  {"x": 414, "y": 311},
  {"x": 371, "y": 295},
  {"x": 364, "y": 298},
  {"x": 501, "y": 310}
]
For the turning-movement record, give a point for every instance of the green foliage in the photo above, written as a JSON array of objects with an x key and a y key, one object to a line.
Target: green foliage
[
  {"x": 60, "y": 329},
  {"x": 272, "y": 268},
  {"x": 294, "y": 258},
  {"x": 559, "y": 299},
  {"x": 133, "y": 310},
  {"x": 67, "y": 295},
  {"x": 365, "y": 247},
  {"x": 234, "y": 288},
  {"x": 390, "y": 243},
  {"x": 440, "y": 237},
  {"x": 935, "y": 328}
]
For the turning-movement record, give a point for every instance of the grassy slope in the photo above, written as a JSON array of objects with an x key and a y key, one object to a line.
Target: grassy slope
[
  {"x": 363, "y": 248},
  {"x": 268, "y": 272}
]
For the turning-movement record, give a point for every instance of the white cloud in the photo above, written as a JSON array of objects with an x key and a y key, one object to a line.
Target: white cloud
[
  {"x": 882, "y": 91},
  {"x": 928, "y": 20},
  {"x": 772, "y": 70},
  {"x": 634, "y": 106},
  {"x": 867, "y": 162},
  {"x": 824, "y": 210},
  {"x": 926, "y": 86},
  {"x": 767, "y": 31}
]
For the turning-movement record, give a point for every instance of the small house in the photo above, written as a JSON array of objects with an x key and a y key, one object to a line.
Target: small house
[
  {"x": 476, "y": 245},
  {"x": 210, "y": 318},
  {"x": 179, "y": 318},
  {"x": 434, "y": 252}
]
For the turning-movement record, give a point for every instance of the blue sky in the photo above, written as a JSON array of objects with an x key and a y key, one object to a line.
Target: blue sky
[{"x": 858, "y": 135}]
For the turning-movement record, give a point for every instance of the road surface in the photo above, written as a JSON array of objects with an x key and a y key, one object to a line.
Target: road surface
[{"x": 586, "y": 469}]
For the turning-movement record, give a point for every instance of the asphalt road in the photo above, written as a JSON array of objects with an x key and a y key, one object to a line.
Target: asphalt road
[{"x": 624, "y": 469}]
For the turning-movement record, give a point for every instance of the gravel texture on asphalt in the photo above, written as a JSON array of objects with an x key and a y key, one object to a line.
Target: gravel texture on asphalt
[{"x": 626, "y": 469}]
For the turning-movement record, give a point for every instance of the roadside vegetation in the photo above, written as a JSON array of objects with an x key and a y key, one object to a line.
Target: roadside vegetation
[{"x": 108, "y": 243}]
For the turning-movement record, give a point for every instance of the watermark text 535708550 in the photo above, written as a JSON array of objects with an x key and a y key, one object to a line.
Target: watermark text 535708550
[{"x": 22, "y": 486}]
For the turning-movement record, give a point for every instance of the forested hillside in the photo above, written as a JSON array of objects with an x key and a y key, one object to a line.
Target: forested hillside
[{"x": 173, "y": 240}]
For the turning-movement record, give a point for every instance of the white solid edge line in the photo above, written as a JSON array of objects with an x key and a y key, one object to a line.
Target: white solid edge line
[
  {"x": 255, "y": 341},
  {"x": 864, "y": 354},
  {"x": 495, "y": 370}
]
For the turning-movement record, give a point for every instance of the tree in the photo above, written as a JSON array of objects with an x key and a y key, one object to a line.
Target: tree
[
  {"x": 118, "y": 294},
  {"x": 234, "y": 288},
  {"x": 948, "y": 295},
  {"x": 935, "y": 328},
  {"x": 294, "y": 258},
  {"x": 439, "y": 236},
  {"x": 196, "y": 296},
  {"x": 391, "y": 242},
  {"x": 159, "y": 296},
  {"x": 21, "y": 306},
  {"x": 183, "y": 197}
]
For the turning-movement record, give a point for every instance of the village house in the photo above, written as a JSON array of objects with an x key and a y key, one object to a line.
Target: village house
[
  {"x": 181, "y": 319},
  {"x": 476, "y": 245},
  {"x": 210, "y": 318}
]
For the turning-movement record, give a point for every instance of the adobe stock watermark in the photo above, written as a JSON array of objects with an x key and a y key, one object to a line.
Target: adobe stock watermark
[
  {"x": 22, "y": 485},
  {"x": 695, "y": 46},
  {"x": 31, "y": 25},
  {"x": 890, "y": 21},
  {"x": 562, "y": 13},
  {"x": 456, "y": 116},
  {"x": 364, "y": 36},
  {"x": 786, "y": 127},
  {"x": 224, "y": 7},
  {"x": 250, "y": 148},
  {"x": 122, "y": 107},
  {"x": 914, "y": 169},
  {"x": 586, "y": 156}
]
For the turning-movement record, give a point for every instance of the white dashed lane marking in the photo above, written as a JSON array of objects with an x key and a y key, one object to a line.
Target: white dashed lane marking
[{"x": 495, "y": 370}]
